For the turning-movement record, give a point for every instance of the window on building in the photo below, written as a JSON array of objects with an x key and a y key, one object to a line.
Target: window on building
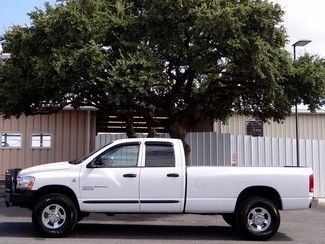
[
  {"x": 41, "y": 140},
  {"x": 11, "y": 139},
  {"x": 159, "y": 155}
]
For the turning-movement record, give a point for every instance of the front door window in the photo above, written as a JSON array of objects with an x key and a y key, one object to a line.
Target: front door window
[{"x": 119, "y": 157}]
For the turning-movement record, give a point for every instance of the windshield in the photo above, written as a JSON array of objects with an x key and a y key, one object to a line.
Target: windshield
[{"x": 79, "y": 161}]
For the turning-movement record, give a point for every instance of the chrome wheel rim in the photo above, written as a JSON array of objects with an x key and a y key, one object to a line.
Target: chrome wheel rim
[
  {"x": 53, "y": 216},
  {"x": 259, "y": 219}
]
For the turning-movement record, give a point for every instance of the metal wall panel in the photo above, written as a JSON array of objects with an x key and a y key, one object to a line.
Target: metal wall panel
[
  {"x": 311, "y": 126},
  {"x": 69, "y": 138}
]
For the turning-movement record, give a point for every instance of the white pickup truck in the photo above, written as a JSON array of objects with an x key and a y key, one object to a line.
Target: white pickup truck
[{"x": 150, "y": 176}]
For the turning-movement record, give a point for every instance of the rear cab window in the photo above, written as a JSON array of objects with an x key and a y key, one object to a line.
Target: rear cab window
[{"x": 159, "y": 154}]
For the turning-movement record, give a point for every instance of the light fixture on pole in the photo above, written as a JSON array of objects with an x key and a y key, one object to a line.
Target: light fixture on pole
[{"x": 299, "y": 43}]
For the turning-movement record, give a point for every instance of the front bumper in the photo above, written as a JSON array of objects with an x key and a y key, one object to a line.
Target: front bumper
[
  {"x": 13, "y": 196},
  {"x": 22, "y": 199},
  {"x": 313, "y": 202}
]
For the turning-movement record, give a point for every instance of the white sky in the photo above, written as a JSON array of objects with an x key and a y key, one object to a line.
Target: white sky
[{"x": 305, "y": 19}]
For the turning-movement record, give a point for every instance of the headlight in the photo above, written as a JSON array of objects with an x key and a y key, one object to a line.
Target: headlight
[{"x": 25, "y": 182}]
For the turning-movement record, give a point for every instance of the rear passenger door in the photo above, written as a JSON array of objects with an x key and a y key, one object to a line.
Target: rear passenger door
[{"x": 161, "y": 179}]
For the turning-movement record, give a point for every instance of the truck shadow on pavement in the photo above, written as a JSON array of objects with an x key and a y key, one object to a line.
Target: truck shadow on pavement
[{"x": 132, "y": 231}]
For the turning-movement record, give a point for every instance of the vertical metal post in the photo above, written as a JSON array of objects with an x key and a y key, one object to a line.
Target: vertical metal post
[
  {"x": 297, "y": 136},
  {"x": 299, "y": 43},
  {"x": 296, "y": 113}
]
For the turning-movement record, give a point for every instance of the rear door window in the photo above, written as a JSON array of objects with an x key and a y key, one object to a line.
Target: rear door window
[{"x": 159, "y": 155}]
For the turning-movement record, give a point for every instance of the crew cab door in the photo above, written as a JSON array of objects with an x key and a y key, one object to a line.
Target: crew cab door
[
  {"x": 162, "y": 179},
  {"x": 110, "y": 182}
]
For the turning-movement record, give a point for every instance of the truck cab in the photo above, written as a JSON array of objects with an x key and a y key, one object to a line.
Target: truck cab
[{"x": 135, "y": 176}]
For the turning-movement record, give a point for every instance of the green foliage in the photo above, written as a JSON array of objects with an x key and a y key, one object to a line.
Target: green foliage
[
  {"x": 307, "y": 82},
  {"x": 133, "y": 78},
  {"x": 186, "y": 59}
]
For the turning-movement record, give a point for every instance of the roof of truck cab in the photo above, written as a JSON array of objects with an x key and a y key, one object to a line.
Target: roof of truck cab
[{"x": 147, "y": 139}]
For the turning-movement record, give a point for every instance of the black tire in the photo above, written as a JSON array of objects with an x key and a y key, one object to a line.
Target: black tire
[
  {"x": 229, "y": 219},
  {"x": 54, "y": 215},
  {"x": 257, "y": 219}
]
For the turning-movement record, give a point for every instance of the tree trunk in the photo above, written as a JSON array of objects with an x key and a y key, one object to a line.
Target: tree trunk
[
  {"x": 179, "y": 131},
  {"x": 148, "y": 115},
  {"x": 130, "y": 128},
  {"x": 152, "y": 132}
]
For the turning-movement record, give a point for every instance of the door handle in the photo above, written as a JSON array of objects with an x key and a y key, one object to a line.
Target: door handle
[
  {"x": 129, "y": 175},
  {"x": 173, "y": 175}
]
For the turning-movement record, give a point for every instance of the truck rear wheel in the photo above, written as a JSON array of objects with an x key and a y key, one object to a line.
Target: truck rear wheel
[
  {"x": 257, "y": 218},
  {"x": 54, "y": 215}
]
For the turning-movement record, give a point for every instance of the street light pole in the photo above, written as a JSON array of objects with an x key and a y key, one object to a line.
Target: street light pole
[{"x": 299, "y": 43}]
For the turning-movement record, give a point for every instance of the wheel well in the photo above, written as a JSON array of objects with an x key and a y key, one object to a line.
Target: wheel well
[
  {"x": 64, "y": 190},
  {"x": 260, "y": 191}
]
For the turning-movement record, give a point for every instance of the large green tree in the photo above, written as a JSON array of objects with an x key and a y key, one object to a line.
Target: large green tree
[{"x": 185, "y": 59}]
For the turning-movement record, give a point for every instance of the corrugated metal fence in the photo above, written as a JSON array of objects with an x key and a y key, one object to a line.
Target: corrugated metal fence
[{"x": 211, "y": 148}]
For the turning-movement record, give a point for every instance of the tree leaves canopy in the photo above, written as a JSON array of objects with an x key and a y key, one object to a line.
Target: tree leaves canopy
[{"x": 185, "y": 59}]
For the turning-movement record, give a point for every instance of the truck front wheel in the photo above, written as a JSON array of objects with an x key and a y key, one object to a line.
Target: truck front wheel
[
  {"x": 257, "y": 218},
  {"x": 54, "y": 215}
]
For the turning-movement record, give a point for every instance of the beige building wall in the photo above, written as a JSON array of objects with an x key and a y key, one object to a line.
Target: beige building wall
[
  {"x": 311, "y": 126},
  {"x": 73, "y": 135}
]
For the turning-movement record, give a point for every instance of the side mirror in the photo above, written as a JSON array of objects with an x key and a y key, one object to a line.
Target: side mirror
[{"x": 95, "y": 163}]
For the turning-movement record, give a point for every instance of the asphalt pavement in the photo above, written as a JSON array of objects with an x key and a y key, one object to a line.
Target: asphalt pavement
[{"x": 303, "y": 226}]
